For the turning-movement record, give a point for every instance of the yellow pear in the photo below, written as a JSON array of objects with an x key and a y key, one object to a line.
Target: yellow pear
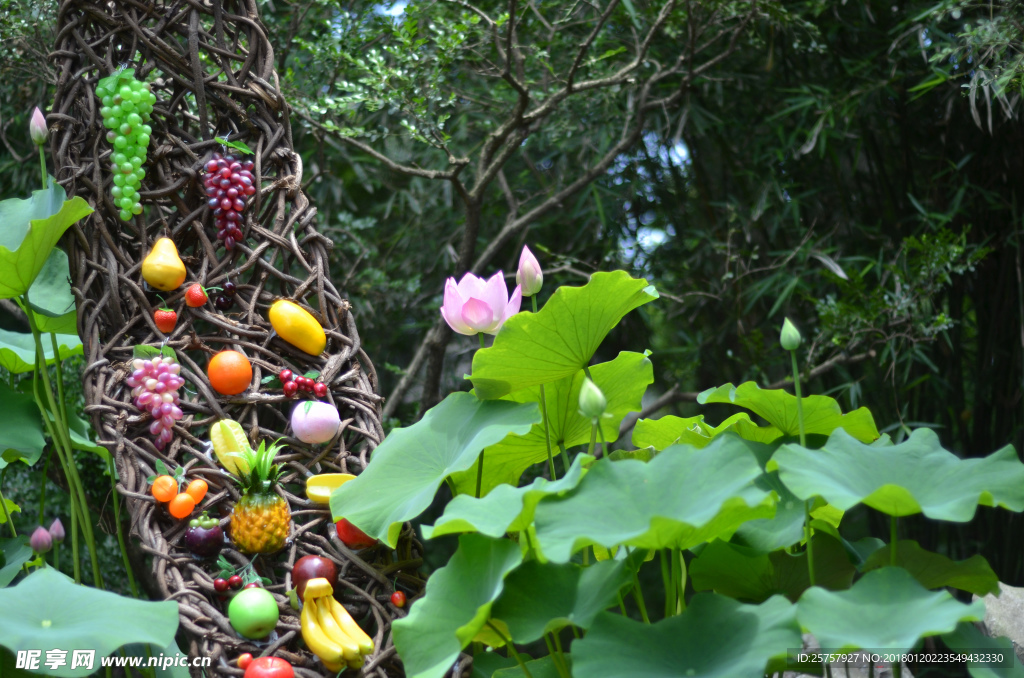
[{"x": 162, "y": 268}]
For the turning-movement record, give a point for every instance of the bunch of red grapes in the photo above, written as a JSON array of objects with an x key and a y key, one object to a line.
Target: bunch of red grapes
[
  {"x": 155, "y": 383},
  {"x": 228, "y": 183}
]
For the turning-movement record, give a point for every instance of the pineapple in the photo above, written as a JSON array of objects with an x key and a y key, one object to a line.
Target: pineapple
[{"x": 260, "y": 521}]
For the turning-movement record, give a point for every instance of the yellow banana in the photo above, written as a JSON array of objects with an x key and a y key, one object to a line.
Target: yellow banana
[
  {"x": 349, "y": 648},
  {"x": 335, "y": 668},
  {"x": 319, "y": 644},
  {"x": 349, "y": 626},
  {"x": 357, "y": 663}
]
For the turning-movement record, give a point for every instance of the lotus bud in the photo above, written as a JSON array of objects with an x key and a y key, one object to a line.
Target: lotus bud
[
  {"x": 37, "y": 128},
  {"x": 57, "y": 531},
  {"x": 790, "y": 336},
  {"x": 41, "y": 540},
  {"x": 592, "y": 401},
  {"x": 529, "y": 275}
]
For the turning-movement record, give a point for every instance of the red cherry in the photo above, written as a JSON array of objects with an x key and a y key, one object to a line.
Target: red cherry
[
  {"x": 290, "y": 388},
  {"x": 235, "y": 582},
  {"x": 252, "y": 585},
  {"x": 244, "y": 660},
  {"x": 220, "y": 585},
  {"x": 285, "y": 376},
  {"x": 398, "y": 599},
  {"x": 320, "y": 389}
]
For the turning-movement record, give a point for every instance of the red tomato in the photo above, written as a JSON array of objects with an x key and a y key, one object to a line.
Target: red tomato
[{"x": 269, "y": 667}]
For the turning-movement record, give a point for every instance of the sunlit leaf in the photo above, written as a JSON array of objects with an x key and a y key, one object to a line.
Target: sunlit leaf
[
  {"x": 885, "y": 609},
  {"x": 822, "y": 415},
  {"x": 407, "y": 468},
  {"x": 456, "y": 606},
  {"x": 28, "y": 231},
  {"x": 715, "y": 637},
  {"x": 916, "y": 476},
  {"x": 560, "y": 339},
  {"x": 682, "y": 497}
]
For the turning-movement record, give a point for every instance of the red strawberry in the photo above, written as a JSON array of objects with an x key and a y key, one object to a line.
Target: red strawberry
[
  {"x": 165, "y": 320},
  {"x": 195, "y": 296}
]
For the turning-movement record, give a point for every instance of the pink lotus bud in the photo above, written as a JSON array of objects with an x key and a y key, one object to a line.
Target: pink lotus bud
[
  {"x": 529, "y": 276},
  {"x": 57, "y": 531},
  {"x": 41, "y": 540},
  {"x": 474, "y": 305},
  {"x": 37, "y": 128}
]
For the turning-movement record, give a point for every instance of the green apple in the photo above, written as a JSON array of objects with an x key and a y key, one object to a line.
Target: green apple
[{"x": 253, "y": 613}]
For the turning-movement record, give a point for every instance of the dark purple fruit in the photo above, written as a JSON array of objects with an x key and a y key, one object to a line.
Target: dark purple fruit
[
  {"x": 204, "y": 537},
  {"x": 229, "y": 289},
  {"x": 223, "y": 303}
]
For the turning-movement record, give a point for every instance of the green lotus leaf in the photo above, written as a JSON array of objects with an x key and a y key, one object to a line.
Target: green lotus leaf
[
  {"x": 916, "y": 476},
  {"x": 16, "y": 552},
  {"x": 21, "y": 437},
  {"x": 715, "y": 637},
  {"x": 18, "y": 349},
  {"x": 545, "y": 597},
  {"x": 668, "y": 430},
  {"x": 886, "y": 609},
  {"x": 406, "y": 469},
  {"x": 486, "y": 663},
  {"x": 935, "y": 571},
  {"x": 545, "y": 667},
  {"x": 51, "y": 299},
  {"x": 623, "y": 382},
  {"x": 28, "y": 231},
  {"x": 784, "y": 528},
  {"x": 968, "y": 640},
  {"x": 822, "y": 415},
  {"x": 559, "y": 340},
  {"x": 48, "y": 611},
  {"x": 750, "y": 575},
  {"x": 505, "y": 508},
  {"x": 681, "y": 498},
  {"x": 456, "y": 605}
]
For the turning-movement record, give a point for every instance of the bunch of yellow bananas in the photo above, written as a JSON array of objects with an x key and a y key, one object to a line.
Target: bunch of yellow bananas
[{"x": 329, "y": 630}]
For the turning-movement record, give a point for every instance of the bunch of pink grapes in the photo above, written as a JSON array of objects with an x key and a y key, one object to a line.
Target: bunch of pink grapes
[
  {"x": 155, "y": 383},
  {"x": 228, "y": 182}
]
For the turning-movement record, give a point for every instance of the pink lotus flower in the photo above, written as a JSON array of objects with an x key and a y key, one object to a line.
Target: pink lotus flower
[
  {"x": 476, "y": 305},
  {"x": 529, "y": 276},
  {"x": 41, "y": 540},
  {"x": 57, "y": 531},
  {"x": 37, "y": 128}
]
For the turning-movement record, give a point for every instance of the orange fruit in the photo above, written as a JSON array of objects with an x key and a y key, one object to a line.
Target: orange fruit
[
  {"x": 164, "y": 488},
  {"x": 230, "y": 372},
  {"x": 197, "y": 489},
  {"x": 182, "y": 505}
]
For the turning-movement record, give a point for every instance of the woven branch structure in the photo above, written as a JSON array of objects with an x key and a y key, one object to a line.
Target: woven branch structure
[{"x": 211, "y": 67}]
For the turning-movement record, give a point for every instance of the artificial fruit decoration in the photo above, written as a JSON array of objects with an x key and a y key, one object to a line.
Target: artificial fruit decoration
[
  {"x": 260, "y": 521},
  {"x": 253, "y": 613},
  {"x": 329, "y": 630},
  {"x": 165, "y": 319},
  {"x": 229, "y": 441},
  {"x": 268, "y": 667},
  {"x": 163, "y": 268},
  {"x": 315, "y": 422},
  {"x": 352, "y": 536},
  {"x": 204, "y": 537},
  {"x": 307, "y": 568},
  {"x": 297, "y": 326},
  {"x": 320, "y": 486},
  {"x": 398, "y": 599},
  {"x": 195, "y": 296},
  {"x": 229, "y": 372}
]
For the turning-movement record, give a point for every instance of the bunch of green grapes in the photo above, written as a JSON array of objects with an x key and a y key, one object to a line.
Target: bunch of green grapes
[{"x": 127, "y": 104}]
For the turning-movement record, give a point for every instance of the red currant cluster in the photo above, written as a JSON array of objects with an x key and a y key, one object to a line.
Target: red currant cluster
[
  {"x": 234, "y": 582},
  {"x": 228, "y": 182},
  {"x": 292, "y": 384}
]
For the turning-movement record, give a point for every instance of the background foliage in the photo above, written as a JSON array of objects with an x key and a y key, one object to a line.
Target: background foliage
[{"x": 853, "y": 165}]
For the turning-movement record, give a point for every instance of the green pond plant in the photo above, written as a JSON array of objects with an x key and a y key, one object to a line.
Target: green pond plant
[{"x": 741, "y": 523}]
